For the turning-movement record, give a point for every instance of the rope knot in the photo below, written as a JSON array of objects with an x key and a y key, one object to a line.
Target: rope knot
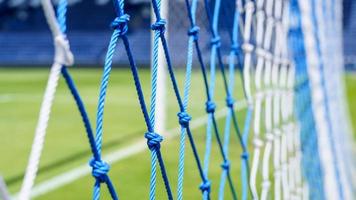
[
  {"x": 120, "y": 23},
  {"x": 225, "y": 165},
  {"x": 153, "y": 140},
  {"x": 244, "y": 155},
  {"x": 210, "y": 106},
  {"x": 63, "y": 54},
  {"x": 205, "y": 186},
  {"x": 216, "y": 41},
  {"x": 99, "y": 170},
  {"x": 247, "y": 47},
  {"x": 159, "y": 25},
  {"x": 194, "y": 31},
  {"x": 230, "y": 101},
  {"x": 184, "y": 119}
]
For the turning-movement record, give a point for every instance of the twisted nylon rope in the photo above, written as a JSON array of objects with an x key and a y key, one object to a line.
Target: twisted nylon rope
[
  {"x": 216, "y": 53},
  {"x": 152, "y": 110},
  {"x": 120, "y": 26},
  {"x": 247, "y": 48},
  {"x": 245, "y": 76},
  {"x": 327, "y": 21},
  {"x": 184, "y": 118},
  {"x": 267, "y": 57},
  {"x": 192, "y": 36},
  {"x": 289, "y": 127},
  {"x": 58, "y": 29},
  {"x": 233, "y": 58},
  {"x": 310, "y": 161},
  {"x": 282, "y": 98},
  {"x": 100, "y": 168},
  {"x": 318, "y": 24},
  {"x": 211, "y": 107},
  {"x": 279, "y": 143},
  {"x": 326, "y": 149},
  {"x": 62, "y": 56},
  {"x": 236, "y": 54}
]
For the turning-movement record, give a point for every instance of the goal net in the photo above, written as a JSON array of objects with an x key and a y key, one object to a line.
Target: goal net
[{"x": 276, "y": 64}]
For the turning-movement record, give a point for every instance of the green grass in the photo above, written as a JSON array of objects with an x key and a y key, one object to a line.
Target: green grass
[
  {"x": 350, "y": 81},
  {"x": 66, "y": 145}
]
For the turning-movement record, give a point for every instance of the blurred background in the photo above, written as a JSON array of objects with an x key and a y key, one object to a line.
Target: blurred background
[{"x": 23, "y": 29}]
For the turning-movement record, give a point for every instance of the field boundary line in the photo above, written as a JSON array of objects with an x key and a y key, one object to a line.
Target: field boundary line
[{"x": 115, "y": 156}]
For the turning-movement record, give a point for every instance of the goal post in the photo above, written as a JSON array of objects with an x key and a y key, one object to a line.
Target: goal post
[{"x": 161, "y": 101}]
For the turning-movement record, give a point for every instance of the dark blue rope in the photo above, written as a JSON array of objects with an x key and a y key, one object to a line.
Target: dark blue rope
[
  {"x": 153, "y": 139},
  {"x": 184, "y": 117},
  {"x": 210, "y": 105},
  {"x": 229, "y": 99},
  {"x": 100, "y": 168}
]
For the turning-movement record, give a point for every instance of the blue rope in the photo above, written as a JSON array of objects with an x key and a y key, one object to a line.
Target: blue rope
[
  {"x": 216, "y": 53},
  {"x": 310, "y": 159},
  {"x": 61, "y": 15},
  {"x": 96, "y": 161},
  {"x": 184, "y": 118},
  {"x": 185, "y": 104},
  {"x": 231, "y": 88},
  {"x": 210, "y": 105},
  {"x": 245, "y": 173},
  {"x": 235, "y": 51},
  {"x": 100, "y": 168},
  {"x": 120, "y": 26},
  {"x": 98, "y": 165},
  {"x": 152, "y": 110},
  {"x": 326, "y": 101}
]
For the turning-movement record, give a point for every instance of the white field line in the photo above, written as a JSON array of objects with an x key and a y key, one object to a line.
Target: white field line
[{"x": 115, "y": 156}]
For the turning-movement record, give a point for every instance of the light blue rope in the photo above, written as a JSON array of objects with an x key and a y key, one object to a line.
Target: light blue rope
[
  {"x": 154, "y": 69},
  {"x": 232, "y": 58},
  {"x": 216, "y": 54},
  {"x": 61, "y": 15},
  {"x": 103, "y": 89},
  {"x": 310, "y": 160},
  {"x": 213, "y": 55},
  {"x": 100, "y": 168},
  {"x": 183, "y": 116},
  {"x": 244, "y": 156},
  {"x": 158, "y": 28},
  {"x": 100, "y": 109},
  {"x": 185, "y": 104}
]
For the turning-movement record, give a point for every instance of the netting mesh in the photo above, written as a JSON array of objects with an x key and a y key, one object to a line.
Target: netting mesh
[{"x": 300, "y": 145}]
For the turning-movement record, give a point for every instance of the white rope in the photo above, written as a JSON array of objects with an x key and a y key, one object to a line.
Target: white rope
[
  {"x": 269, "y": 137},
  {"x": 327, "y": 48},
  {"x": 63, "y": 56},
  {"x": 279, "y": 77},
  {"x": 248, "y": 48},
  {"x": 314, "y": 74},
  {"x": 37, "y": 146}
]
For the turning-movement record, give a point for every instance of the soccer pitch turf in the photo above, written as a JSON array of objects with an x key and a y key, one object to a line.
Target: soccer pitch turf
[{"x": 66, "y": 146}]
